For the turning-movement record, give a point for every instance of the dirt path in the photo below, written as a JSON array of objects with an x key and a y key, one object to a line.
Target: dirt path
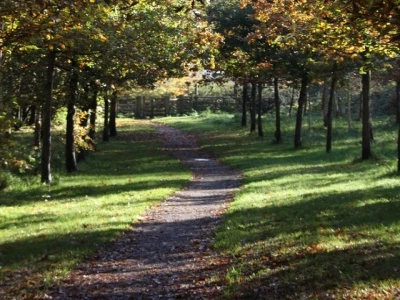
[{"x": 166, "y": 255}]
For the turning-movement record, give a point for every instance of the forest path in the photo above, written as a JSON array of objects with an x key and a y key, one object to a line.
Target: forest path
[{"x": 167, "y": 254}]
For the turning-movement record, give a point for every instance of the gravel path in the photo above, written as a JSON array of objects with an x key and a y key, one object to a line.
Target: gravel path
[{"x": 166, "y": 255}]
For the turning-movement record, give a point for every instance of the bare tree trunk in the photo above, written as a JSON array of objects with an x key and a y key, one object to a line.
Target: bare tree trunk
[
  {"x": 324, "y": 103},
  {"x": 113, "y": 114},
  {"x": 244, "y": 104},
  {"x": 309, "y": 112},
  {"x": 291, "y": 102},
  {"x": 398, "y": 102},
  {"x": 106, "y": 127},
  {"x": 70, "y": 155},
  {"x": 253, "y": 107},
  {"x": 349, "y": 126},
  {"x": 299, "y": 117},
  {"x": 46, "y": 120},
  {"x": 329, "y": 114},
  {"x": 37, "y": 131},
  {"x": 259, "y": 111},
  {"x": 278, "y": 134},
  {"x": 366, "y": 117},
  {"x": 93, "y": 113}
]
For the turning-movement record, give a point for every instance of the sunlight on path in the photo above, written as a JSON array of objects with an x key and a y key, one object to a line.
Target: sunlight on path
[{"x": 167, "y": 255}]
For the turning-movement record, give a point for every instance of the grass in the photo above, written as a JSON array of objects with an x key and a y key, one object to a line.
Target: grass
[
  {"x": 46, "y": 230},
  {"x": 306, "y": 224}
]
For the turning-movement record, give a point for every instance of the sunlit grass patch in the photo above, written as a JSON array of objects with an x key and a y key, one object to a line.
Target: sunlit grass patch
[
  {"x": 46, "y": 230},
  {"x": 307, "y": 224}
]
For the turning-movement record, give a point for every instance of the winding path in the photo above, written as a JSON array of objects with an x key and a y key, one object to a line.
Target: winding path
[{"x": 167, "y": 255}]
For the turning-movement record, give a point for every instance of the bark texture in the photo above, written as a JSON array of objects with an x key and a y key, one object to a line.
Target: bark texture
[
  {"x": 244, "y": 104},
  {"x": 253, "y": 120},
  {"x": 259, "y": 110},
  {"x": 330, "y": 107},
  {"x": 299, "y": 117},
  {"x": 46, "y": 119}
]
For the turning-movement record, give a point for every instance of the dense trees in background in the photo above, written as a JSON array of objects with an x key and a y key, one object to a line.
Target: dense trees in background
[
  {"x": 310, "y": 41},
  {"x": 78, "y": 56},
  {"x": 59, "y": 54}
]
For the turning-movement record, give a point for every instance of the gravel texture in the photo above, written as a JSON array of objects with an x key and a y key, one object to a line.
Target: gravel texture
[{"x": 167, "y": 255}]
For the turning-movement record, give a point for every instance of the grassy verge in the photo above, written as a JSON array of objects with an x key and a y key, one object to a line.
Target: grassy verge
[
  {"x": 308, "y": 225},
  {"x": 47, "y": 230}
]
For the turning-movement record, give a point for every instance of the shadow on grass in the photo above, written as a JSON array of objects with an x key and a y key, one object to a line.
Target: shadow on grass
[
  {"x": 310, "y": 274},
  {"x": 289, "y": 246},
  {"x": 76, "y": 192}
]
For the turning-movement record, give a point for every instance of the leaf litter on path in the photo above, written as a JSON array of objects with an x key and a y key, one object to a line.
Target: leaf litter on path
[{"x": 168, "y": 254}]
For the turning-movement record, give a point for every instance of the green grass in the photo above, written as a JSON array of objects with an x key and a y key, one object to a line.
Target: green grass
[
  {"x": 306, "y": 224},
  {"x": 47, "y": 230}
]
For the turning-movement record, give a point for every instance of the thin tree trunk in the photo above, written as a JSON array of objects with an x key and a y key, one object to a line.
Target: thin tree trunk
[
  {"x": 336, "y": 106},
  {"x": 32, "y": 115},
  {"x": 278, "y": 133},
  {"x": 37, "y": 131},
  {"x": 398, "y": 102},
  {"x": 93, "y": 114},
  {"x": 309, "y": 112},
  {"x": 244, "y": 104},
  {"x": 259, "y": 111},
  {"x": 106, "y": 128},
  {"x": 330, "y": 104},
  {"x": 349, "y": 125},
  {"x": 113, "y": 114},
  {"x": 291, "y": 102},
  {"x": 70, "y": 155},
  {"x": 46, "y": 120},
  {"x": 299, "y": 117},
  {"x": 253, "y": 107},
  {"x": 324, "y": 103},
  {"x": 366, "y": 124}
]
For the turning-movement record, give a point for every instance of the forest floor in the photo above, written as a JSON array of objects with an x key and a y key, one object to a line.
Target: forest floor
[{"x": 168, "y": 254}]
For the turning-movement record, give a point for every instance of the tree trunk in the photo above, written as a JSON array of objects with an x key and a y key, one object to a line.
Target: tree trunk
[
  {"x": 32, "y": 116},
  {"x": 329, "y": 114},
  {"x": 244, "y": 104},
  {"x": 37, "y": 130},
  {"x": 291, "y": 102},
  {"x": 299, "y": 117},
  {"x": 113, "y": 114},
  {"x": 106, "y": 128},
  {"x": 93, "y": 114},
  {"x": 349, "y": 126},
  {"x": 253, "y": 107},
  {"x": 324, "y": 103},
  {"x": 278, "y": 134},
  {"x": 259, "y": 111},
  {"x": 309, "y": 112},
  {"x": 366, "y": 121},
  {"x": 46, "y": 119},
  {"x": 398, "y": 102},
  {"x": 70, "y": 155}
]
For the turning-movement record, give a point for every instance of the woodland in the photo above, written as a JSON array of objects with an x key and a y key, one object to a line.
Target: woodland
[{"x": 320, "y": 157}]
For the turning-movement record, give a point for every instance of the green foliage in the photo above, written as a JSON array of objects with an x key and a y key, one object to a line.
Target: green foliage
[{"x": 306, "y": 224}]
